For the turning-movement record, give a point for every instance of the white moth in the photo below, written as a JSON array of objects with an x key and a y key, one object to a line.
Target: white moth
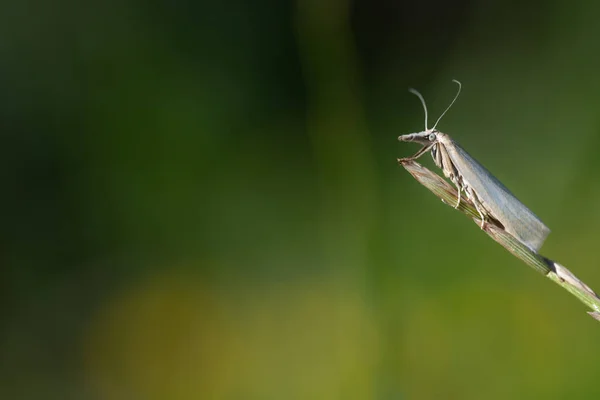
[{"x": 489, "y": 196}]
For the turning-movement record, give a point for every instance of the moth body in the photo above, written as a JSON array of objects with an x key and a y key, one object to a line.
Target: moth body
[{"x": 489, "y": 196}]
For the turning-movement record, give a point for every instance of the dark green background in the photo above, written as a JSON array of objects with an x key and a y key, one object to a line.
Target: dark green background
[{"x": 201, "y": 199}]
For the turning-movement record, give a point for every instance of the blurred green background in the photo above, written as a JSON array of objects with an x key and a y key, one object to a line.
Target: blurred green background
[{"x": 201, "y": 199}]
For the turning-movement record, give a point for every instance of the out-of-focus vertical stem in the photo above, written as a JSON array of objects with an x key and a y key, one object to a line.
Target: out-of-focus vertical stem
[{"x": 337, "y": 130}]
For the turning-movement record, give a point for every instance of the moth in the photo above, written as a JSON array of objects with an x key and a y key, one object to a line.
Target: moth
[{"x": 491, "y": 199}]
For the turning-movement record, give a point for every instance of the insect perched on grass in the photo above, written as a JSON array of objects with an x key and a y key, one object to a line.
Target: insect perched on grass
[{"x": 490, "y": 197}]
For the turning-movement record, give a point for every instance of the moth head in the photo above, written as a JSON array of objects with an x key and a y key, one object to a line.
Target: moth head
[{"x": 425, "y": 138}]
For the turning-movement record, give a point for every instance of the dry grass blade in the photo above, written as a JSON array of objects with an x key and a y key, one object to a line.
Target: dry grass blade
[{"x": 552, "y": 270}]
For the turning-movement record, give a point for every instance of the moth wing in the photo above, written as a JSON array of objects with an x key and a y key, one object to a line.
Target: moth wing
[{"x": 518, "y": 220}]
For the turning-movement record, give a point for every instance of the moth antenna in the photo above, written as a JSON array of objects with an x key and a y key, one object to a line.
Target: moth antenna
[
  {"x": 455, "y": 97},
  {"x": 416, "y": 93}
]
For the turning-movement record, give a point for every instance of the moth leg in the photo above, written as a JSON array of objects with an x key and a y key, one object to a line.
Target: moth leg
[
  {"x": 459, "y": 189},
  {"x": 436, "y": 154},
  {"x": 477, "y": 204},
  {"x": 442, "y": 159},
  {"x": 419, "y": 153}
]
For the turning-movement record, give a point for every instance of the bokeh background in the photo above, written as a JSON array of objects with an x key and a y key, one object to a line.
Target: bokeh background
[{"x": 201, "y": 199}]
